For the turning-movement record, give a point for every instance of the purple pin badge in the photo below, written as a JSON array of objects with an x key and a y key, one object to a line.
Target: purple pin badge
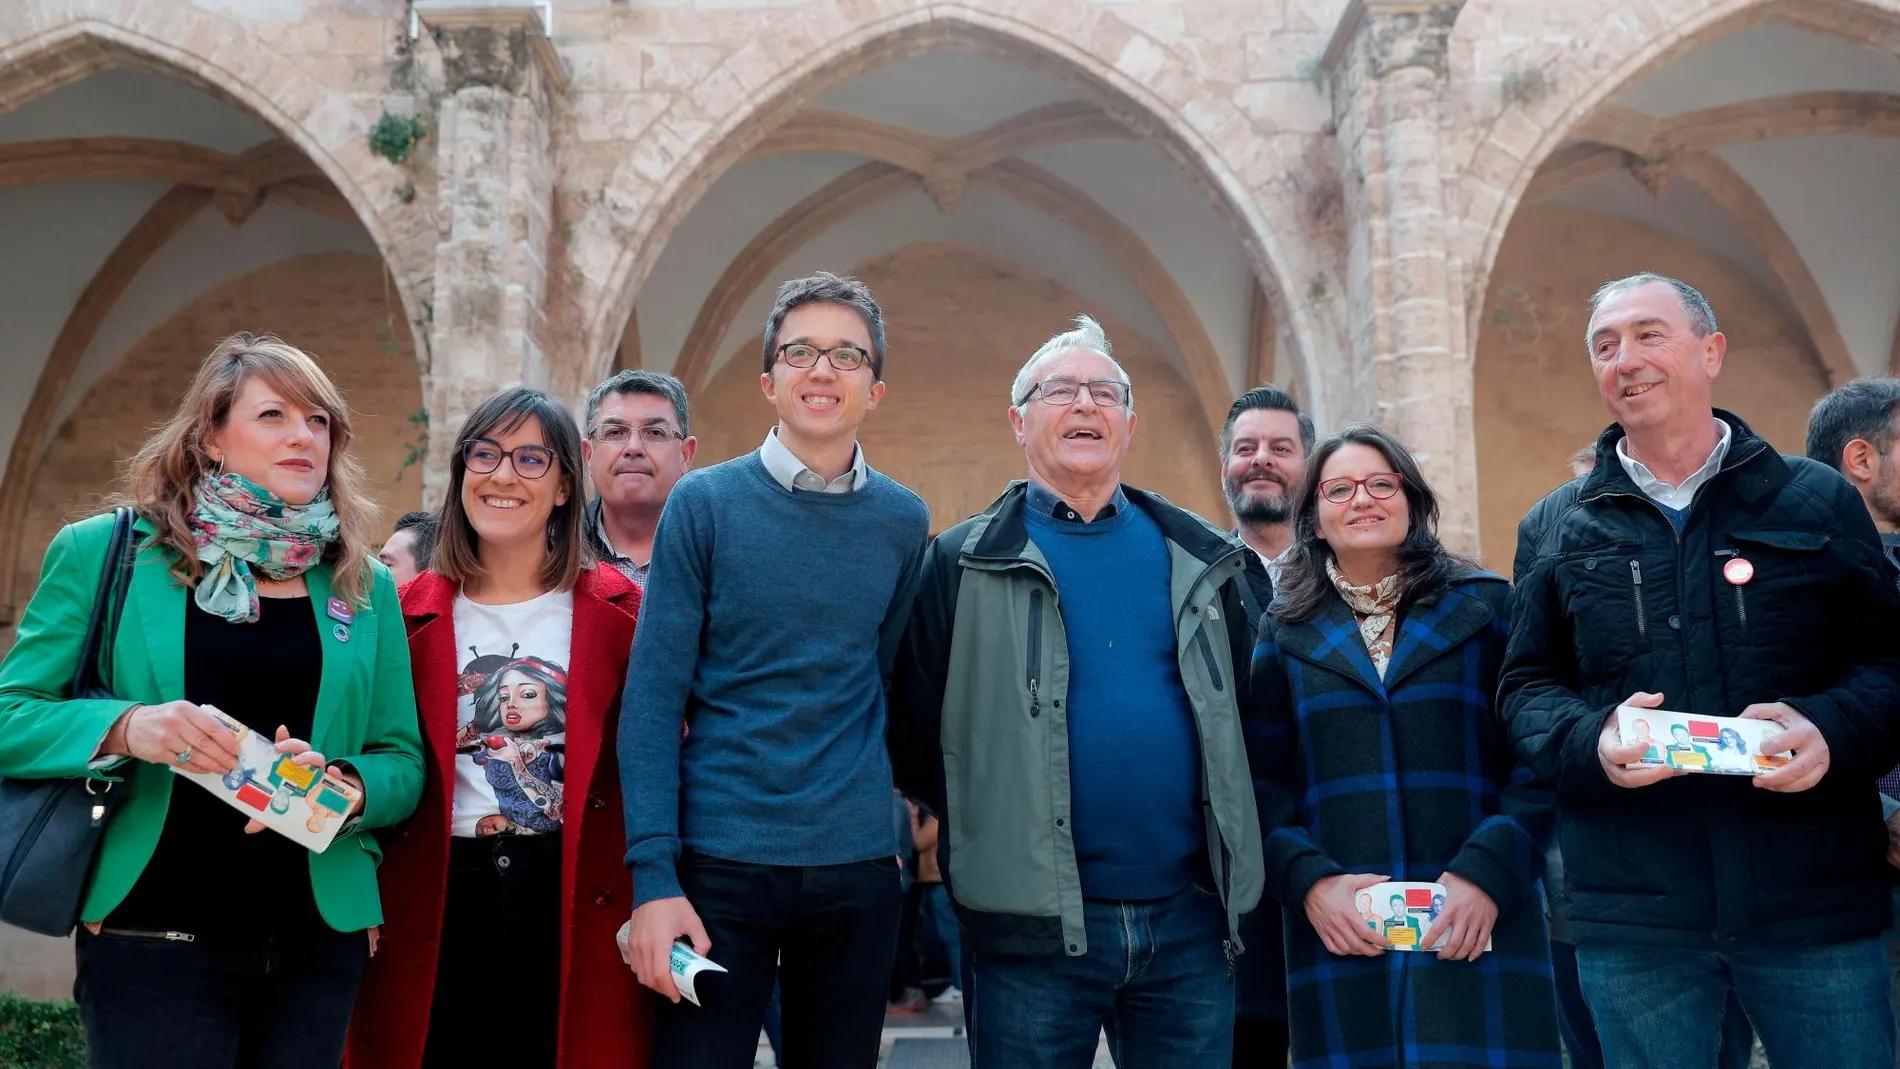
[{"x": 340, "y": 611}]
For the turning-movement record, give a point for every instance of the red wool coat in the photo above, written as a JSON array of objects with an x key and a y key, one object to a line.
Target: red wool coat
[{"x": 606, "y": 1016}]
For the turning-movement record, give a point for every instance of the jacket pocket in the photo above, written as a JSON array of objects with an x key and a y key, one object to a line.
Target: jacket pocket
[
  {"x": 1608, "y": 598},
  {"x": 1787, "y": 582}
]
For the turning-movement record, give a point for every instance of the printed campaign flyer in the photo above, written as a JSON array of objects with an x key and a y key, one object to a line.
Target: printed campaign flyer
[
  {"x": 299, "y": 802},
  {"x": 685, "y": 962},
  {"x": 1401, "y": 913},
  {"x": 1729, "y": 745}
]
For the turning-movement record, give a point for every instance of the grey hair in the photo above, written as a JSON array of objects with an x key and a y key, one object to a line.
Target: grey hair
[
  {"x": 826, "y": 288},
  {"x": 653, "y": 383},
  {"x": 1088, "y": 334},
  {"x": 1694, "y": 305}
]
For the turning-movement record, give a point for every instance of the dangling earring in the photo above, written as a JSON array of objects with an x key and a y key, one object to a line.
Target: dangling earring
[{"x": 218, "y": 473}]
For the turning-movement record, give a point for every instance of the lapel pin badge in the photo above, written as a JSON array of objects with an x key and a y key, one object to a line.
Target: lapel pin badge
[
  {"x": 1738, "y": 571},
  {"x": 342, "y": 632},
  {"x": 339, "y": 610}
]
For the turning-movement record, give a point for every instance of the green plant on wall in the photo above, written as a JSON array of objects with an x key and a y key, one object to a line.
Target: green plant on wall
[
  {"x": 394, "y": 137},
  {"x": 416, "y": 429}
]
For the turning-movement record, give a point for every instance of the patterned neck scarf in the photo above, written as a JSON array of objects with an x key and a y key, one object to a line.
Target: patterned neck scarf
[
  {"x": 1374, "y": 606},
  {"x": 237, "y": 526}
]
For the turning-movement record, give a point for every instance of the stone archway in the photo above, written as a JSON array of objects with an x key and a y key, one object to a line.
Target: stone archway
[
  {"x": 320, "y": 162},
  {"x": 1580, "y": 59},
  {"x": 1572, "y": 154},
  {"x": 1141, "y": 83}
]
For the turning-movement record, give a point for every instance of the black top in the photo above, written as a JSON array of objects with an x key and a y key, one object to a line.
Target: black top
[{"x": 206, "y": 876}]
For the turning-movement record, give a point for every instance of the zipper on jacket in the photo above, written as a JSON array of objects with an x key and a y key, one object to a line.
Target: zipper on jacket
[
  {"x": 1034, "y": 664},
  {"x": 1207, "y": 655},
  {"x": 1636, "y": 583},
  {"x": 154, "y": 936},
  {"x": 1741, "y": 595}
]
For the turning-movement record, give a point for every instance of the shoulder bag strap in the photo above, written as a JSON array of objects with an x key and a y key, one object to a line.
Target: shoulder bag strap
[{"x": 94, "y": 673}]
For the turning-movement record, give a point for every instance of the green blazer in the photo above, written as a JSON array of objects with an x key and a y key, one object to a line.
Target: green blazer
[{"x": 365, "y": 715}]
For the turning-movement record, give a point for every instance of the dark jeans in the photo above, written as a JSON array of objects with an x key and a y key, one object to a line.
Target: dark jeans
[
  {"x": 149, "y": 1002},
  {"x": 498, "y": 978},
  {"x": 1156, "y": 977},
  {"x": 829, "y": 933},
  {"x": 1822, "y": 1007}
]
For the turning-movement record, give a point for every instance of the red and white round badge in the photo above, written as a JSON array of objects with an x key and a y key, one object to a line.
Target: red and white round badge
[{"x": 1738, "y": 571}]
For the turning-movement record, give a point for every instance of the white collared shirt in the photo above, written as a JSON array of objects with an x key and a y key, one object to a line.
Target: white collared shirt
[
  {"x": 791, "y": 473},
  {"x": 1275, "y": 565},
  {"x": 1674, "y": 497}
]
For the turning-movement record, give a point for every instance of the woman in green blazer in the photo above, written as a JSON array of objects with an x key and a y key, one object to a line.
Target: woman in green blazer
[{"x": 204, "y": 944}]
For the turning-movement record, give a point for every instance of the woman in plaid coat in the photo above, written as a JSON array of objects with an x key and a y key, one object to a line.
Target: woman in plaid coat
[{"x": 1379, "y": 756}]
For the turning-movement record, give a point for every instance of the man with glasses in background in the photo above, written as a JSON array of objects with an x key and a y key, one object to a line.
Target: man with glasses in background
[
  {"x": 778, "y": 591},
  {"x": 639, "y": 443},
  {"x": 1083, "y": 752}
]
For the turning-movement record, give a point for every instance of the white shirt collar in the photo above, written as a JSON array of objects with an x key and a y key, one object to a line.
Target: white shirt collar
[
  {"x": 1674, "y": 497},
  {"x": 791, "y": 473}
]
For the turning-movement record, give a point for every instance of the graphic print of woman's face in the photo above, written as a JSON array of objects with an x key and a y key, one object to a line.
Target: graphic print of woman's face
[
  {"x": 525, "y": 698},
  {"x": 1732, "y": 739},
  {"x": 524, "y": 701}
]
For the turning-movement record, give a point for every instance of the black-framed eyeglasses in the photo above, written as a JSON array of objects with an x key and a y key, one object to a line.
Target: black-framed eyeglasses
[
  {"x": 842, "y": 357},
  {"x": 653, "y": 434},
  {"x": 484, "y": 455},
  {"x": 1106, "y": 393},
  {"x": 1380, "y": 486}
]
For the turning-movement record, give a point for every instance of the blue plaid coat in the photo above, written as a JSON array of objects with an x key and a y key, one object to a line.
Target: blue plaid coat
[{"x": 1410, "y": 776}]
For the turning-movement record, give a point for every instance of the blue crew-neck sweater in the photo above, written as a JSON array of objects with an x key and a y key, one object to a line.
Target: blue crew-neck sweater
[
  {"x": 768, "y": 625},
  {"x": 1134, "y": 751}
]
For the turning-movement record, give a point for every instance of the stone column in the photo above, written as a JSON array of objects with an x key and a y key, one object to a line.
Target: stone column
[
  {"x": 1412, "y": 359},
  {"x": 496, "y": 175}
]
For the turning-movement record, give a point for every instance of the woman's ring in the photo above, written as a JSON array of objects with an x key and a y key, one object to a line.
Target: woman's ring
[{"x": 184, "y": 756}]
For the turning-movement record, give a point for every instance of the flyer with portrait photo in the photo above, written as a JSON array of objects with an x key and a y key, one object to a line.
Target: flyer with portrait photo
[
  {"x": 300, "y": 802},
  {"x": 1727, "y": 745},
  {"x": 1401, "y": 913}
]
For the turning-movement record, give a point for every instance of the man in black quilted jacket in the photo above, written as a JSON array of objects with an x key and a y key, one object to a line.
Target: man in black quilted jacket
[{"x": 1697, "y": 570}]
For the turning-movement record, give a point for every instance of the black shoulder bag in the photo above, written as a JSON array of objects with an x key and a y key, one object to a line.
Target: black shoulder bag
[{"x": 49, "y": 828}]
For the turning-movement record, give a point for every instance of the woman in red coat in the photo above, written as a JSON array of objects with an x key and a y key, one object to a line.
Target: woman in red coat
[{"x": 504, "y": 892}]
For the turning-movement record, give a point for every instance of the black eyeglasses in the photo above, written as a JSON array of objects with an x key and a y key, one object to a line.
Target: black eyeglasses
[
  {"x": 1106, "y": 393},
  {"x": 842, "y": 357},
  {"x": 484, "y": 455},
  {"x": 650, "y": 433},
  {"x": 1380, "y": 486}
]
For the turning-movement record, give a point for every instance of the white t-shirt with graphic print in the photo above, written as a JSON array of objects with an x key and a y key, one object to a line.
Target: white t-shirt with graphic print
[{"x": 511, "y": 715}]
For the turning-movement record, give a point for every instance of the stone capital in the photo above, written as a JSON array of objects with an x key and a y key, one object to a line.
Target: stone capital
[
  {"x": 499, "y": 44},
  {"x": 1393, "y": 35}
]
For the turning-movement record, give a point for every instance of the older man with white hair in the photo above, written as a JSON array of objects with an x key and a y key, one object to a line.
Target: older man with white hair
[{"x": 1065, "y": 702}]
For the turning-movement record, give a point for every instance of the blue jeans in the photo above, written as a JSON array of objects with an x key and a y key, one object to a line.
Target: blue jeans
[
  {"x": 1156, "y": 976},
  {"x": 1820, "y": 1007},
  {"x": 941, "y": 917}
]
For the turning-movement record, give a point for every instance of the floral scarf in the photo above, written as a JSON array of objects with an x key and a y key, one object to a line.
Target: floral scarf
[
  {"x": 1374, "y": 606},
  {"x": 237, "y": 526}
]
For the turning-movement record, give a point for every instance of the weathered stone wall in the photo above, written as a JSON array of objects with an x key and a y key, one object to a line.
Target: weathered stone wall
[
  {"x": 960, "y": 324},
  {"x": 332, "y": 306},
  {"x": 1536, "y": 400}
]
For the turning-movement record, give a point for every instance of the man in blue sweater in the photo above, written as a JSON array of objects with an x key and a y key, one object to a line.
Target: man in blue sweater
[
  {"x": 752, "y": 757},
  {"x": 1065, "y": 703}
]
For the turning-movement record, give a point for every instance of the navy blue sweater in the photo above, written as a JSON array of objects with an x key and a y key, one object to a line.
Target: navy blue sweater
[
  {"x": 1134, "y": 753},
  {"x": 769, "y": 624}
]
